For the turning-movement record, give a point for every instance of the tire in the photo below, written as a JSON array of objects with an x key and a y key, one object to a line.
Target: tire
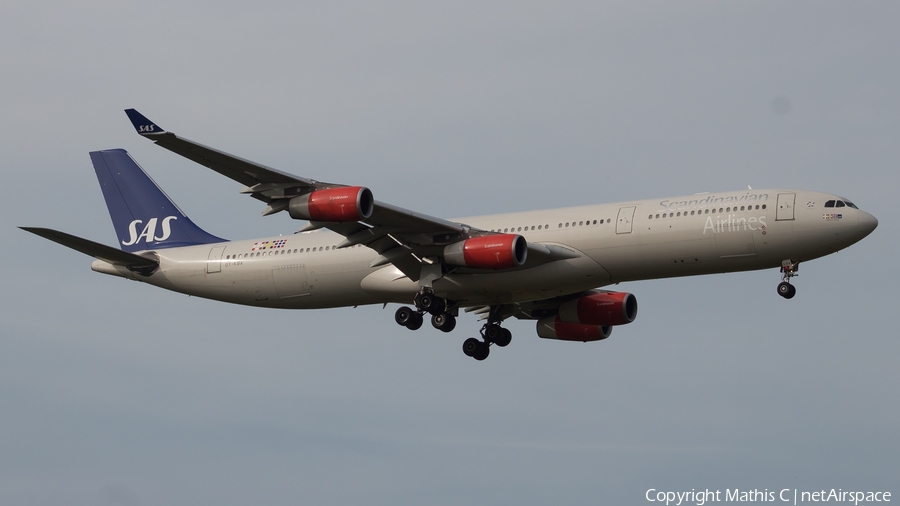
[
  {"x": 493, "y": 333},
  {"x": 470, "y": 346},
  {"x": 443, "y": 322},
  {"x": 786, "y": 290},
  {"x": 504, "y": 339},
  {"x": 430, "y": 303},
  {"x": 484, "y": 349},
  {"x": 415, "y": 322},
  {"x": 403, "y": 316}
]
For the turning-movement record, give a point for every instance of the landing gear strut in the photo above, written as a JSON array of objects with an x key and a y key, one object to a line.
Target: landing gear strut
[{"x": 789, "y": 269}]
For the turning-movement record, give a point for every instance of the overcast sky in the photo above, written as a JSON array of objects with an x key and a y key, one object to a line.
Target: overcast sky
[{"x": 117, "y": 393}]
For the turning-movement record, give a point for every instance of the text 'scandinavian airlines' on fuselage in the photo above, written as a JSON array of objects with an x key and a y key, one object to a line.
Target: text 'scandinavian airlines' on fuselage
[{"x": 546, "y": 265}]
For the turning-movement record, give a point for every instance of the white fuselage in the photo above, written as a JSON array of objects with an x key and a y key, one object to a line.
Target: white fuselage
[{"x": 681, "y": 236}]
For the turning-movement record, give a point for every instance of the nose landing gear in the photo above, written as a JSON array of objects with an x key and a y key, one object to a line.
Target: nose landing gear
[{"x": 789, "y": 269}]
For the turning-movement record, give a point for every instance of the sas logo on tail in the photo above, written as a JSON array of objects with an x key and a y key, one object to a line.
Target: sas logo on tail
[{"x": 148, "y": 234}]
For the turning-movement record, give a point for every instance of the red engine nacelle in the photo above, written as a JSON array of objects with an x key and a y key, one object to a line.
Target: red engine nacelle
[
  {"x": 554, "y": 328},
  {"x": 343, "y": 204},
  {"x": 500, "y": 251},
  {"x": 600, "y": 308}
]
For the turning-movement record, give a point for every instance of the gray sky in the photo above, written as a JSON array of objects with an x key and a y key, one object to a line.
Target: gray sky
[{"x": 115, "y": 393}]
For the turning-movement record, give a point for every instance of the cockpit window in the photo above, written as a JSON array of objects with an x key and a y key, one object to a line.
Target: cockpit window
[
  {"x": 839, "y": 204},
  {"x": 850, "y": 204},
  {"x": 830, "y": 203}
]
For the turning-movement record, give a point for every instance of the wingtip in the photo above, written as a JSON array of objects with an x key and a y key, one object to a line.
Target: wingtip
[{"x": 142, "y": 124}]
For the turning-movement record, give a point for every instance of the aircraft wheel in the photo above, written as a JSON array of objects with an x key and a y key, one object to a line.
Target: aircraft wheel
[
  {"x": 430, "y": 303},
  {"x": 443, "y": 322},
  {"x": 404, "y": 315},
  {"x": 786, "y": 290},
  {"x": 484, "y": 349},
  {"x": 470, "y": 346},
  {"x": 415, "y": 323},
  {"x": 504, "y": 339},
  {"x": 493, "y": 333}
]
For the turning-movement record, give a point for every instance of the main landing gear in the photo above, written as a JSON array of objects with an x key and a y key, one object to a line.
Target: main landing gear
[
  {"x": 428, "y": 303},
  {"x": 789, "y": 269},
  {"x": 491, "y": 333}
]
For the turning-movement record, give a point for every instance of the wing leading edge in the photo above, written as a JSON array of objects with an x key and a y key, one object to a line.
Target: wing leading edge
[{"x": 407, "y": 239}]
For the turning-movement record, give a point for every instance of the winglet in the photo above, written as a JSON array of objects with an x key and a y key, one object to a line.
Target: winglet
[{"x": 143, "y": 125}]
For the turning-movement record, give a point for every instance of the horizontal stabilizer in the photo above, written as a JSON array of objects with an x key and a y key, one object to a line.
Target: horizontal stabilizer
[{"x": 99, "y": 251}]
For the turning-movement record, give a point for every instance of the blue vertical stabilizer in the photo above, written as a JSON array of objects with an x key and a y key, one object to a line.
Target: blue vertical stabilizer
[{"x": 144, "y": 217}]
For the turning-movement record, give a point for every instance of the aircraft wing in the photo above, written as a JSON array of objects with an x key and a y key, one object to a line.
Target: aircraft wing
[
  {"x": 243, "y": 171},
  {"x": 402, "y": 237}
]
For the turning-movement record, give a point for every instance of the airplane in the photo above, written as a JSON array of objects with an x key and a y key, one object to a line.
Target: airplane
[{"x": 549, "y": 266}]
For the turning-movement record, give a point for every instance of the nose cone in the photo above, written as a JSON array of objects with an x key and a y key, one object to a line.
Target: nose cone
[{"x": 867, "y": 222}]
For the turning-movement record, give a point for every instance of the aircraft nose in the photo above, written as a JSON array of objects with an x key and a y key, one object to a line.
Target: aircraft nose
[{"x": 867, "y": 222}]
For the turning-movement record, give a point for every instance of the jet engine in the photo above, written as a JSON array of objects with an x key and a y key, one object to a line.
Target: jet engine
[
  {"x": 554, "y": 328},
  {"x": 600, "y": 308},
  {"x": 499, "y": 251},
  {"x": 341, "y": 205}
]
